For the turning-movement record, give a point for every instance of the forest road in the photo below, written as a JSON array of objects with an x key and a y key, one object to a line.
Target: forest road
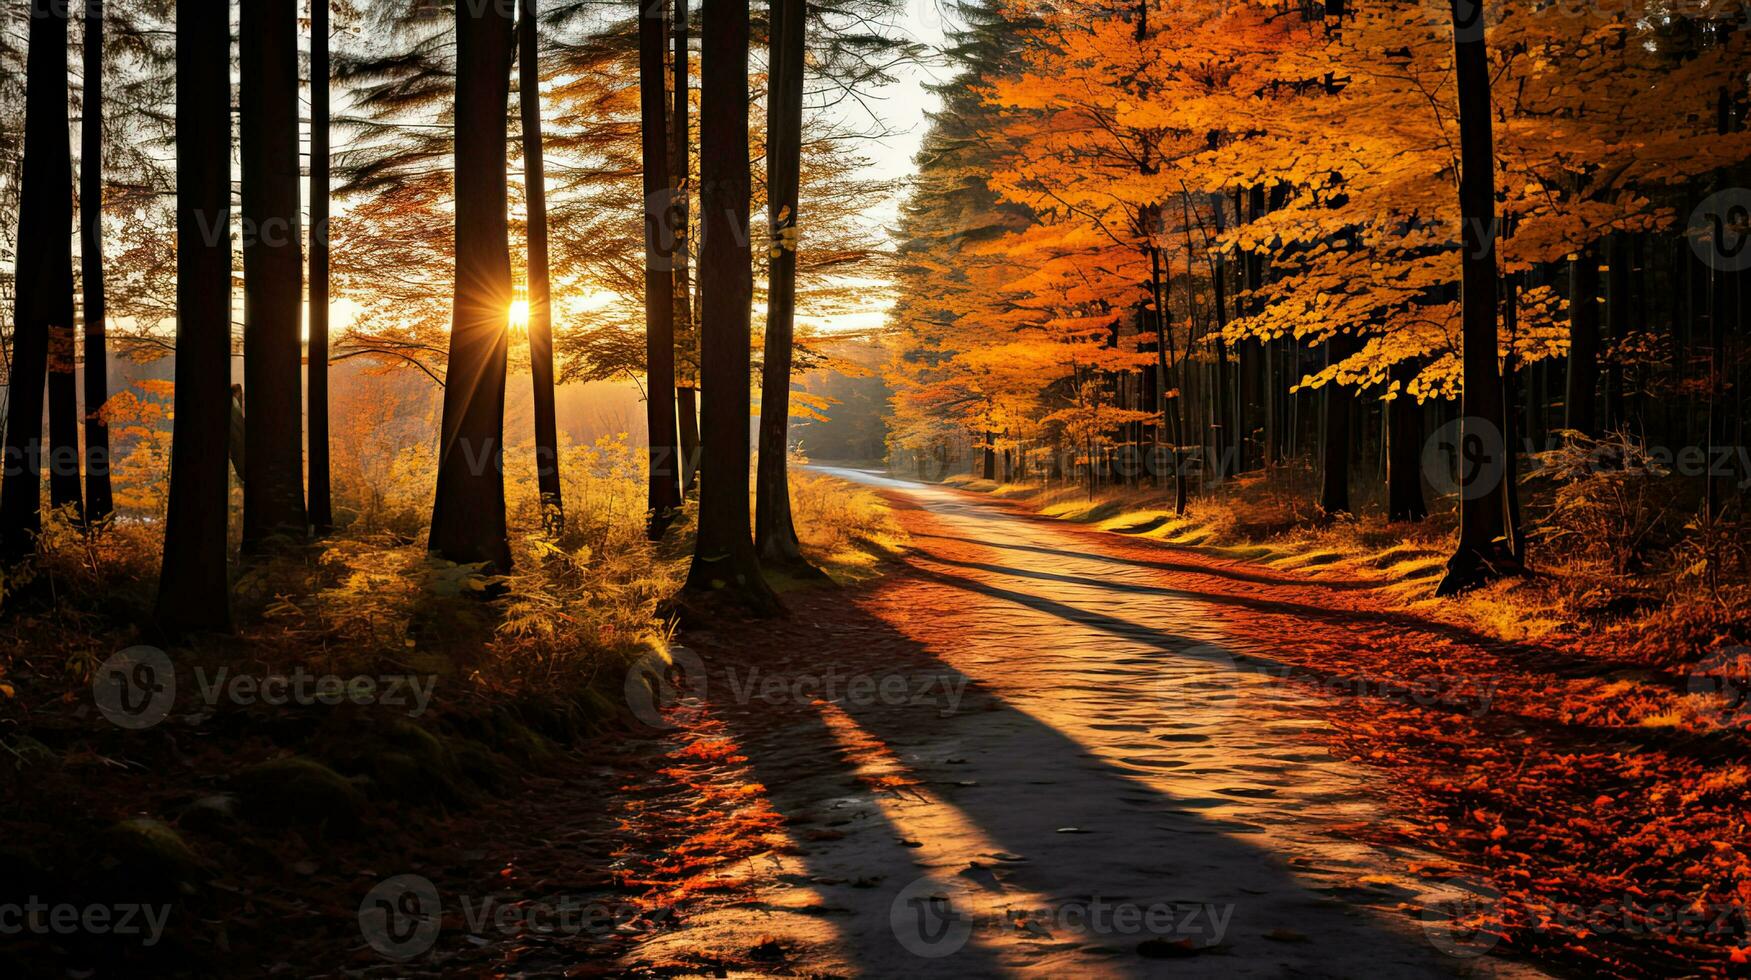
[{"x": 1019, "y": 755}]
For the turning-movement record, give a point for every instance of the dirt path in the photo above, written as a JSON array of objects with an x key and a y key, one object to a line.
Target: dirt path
[{"x": 1032, "y": 752}]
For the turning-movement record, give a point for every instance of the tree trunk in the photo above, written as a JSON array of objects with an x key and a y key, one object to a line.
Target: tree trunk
[
  {"x": 1583, "y": 379},
  {"x": 194, "y": 591},
  {"x": 1479, "y": 554},
  {"x": 273, "y": 275},
  {"x": 774, "y": 533},
  {"x": 664, "y": 499},
  {"x": 540, "y": 287},
  {"x": 1230, "y": 444},
  {"x": 1404, "y": 451},
  {"x": 1618, "y": 316},
  {"x": 724, "y": 561},
  {"x": 687, "y": 411},
  {"x": 99, "y": 503},
  {"x": 1334, "y": 492},
  {"x": 989, "y": 470},
  {"x": 686, "y": 331},
  {"x": 43, "y": 289},
  {"x": 468, "y": 516},
  {"x": 316, "y": 358}
]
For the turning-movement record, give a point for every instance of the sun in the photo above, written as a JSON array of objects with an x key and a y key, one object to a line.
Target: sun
[{"x": 519, "y": 322}]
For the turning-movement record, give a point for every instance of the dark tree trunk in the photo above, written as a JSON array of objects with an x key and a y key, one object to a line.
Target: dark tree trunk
[
  {"x": 316, "y": 360},
  {"x": 1334, "y": 487},
  {"x": 540, "y": 287},
  {"x": 194, "y": 591},
  {"x": 664, "y": 499},
  {"x": 468, "y": 517},
  {"x": 724, "y": 562},
  {"x": 774, "y": 533},
  {"x": 687, "y": 412},
  {"x": 1230, "y": 444},
  {"x": 1404, "y": 450},
  {"x": 99, "y": 503},
  {"x": 1480, "y": 554},
  {"x": 1619, "y": 308},
  {"x": 1583, "y": 379},
  {"x": 43, "y": 297},
  {"x": 989, "y": 470},
  {"x": 273, "y": 275},
  {"x": 686, "y": 331}
]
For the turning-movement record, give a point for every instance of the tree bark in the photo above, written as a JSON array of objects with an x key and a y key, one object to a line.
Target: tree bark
[
  {"x": 724, "y": 562},
  {"x": 316, "y": 359},
  {"x": 1334, "y": 492},
  {"x": 774, "y": 533},
  {"x": 43, "y": 287},
  {"x": 1480, "y": 553},
  {"x": 664, "y": 497},
  {"x": 194, "y": 590},
  {"x": 1404, "y": 452},
  {"x": 540, "y": 284},
  {"x": 686, "y": 331},
  {"x": 468, "y": 515},
  {"x": 273, "y": 275},
  {"x": 99, "y": 502},
  {"x": 1583, "y": 377},
  {"x": 1619, "y": 309}
]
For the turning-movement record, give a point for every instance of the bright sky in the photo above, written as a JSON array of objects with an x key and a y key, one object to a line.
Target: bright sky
[{"x": 902, "y": 107}]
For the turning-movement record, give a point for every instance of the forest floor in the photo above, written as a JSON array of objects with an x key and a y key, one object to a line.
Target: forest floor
[
  {"x": 1019, "y": 744},
  {"x": 1038, "y": 747}
]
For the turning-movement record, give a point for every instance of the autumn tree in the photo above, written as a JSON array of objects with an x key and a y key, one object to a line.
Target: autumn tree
[
  {"x": 659, "y": 287},
  {"x": 273, "y": 274},
  {"x": 540, "y": 286},
  {"x": 321, "y": 164},
  {"x": 43, "y": 288},
  {"x": 774, "y": 534},
  {"x": 724, "y": 561},
  {"x": 468, "y": 516},
  {"x": 99, "y": 502},
  {"x": 194, "y": 591}
]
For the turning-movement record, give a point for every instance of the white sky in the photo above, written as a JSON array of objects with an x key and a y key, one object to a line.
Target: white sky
[{"x": 901, "y": 107}]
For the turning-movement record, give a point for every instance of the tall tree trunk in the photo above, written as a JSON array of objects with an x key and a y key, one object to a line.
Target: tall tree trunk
[
  {"x": 1480, "y": 554},
  {"x": 468, "y": 516},
  {"x": 1404, "y": 450},
  {"x": 1583, "y": 378},
  {"x": 273, "y": 275},
  {"x": 1230, "y": 406},
  {"x": 316, "y": 360},
  {"x": 686, "y": 331},
  {"x": 43, "y": 288},
  {"x": 1334, "y": 492},
  {"x": 664, "y": 499},
  {"x": 540, "y": 285},
  {"x": 99, "y": 503},
  {"x": 988, "y": 470},
  {"x": 194, "y": 591},
  {"x": 774, "y": 534},
  {"x": 1619, "y": 308},
  {"x": 724, "y": 561}
]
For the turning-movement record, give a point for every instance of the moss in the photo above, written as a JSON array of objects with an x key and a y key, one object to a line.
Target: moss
[
  {"x": 145, "y": 850},
  {"x": 300, "y": 792}
]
